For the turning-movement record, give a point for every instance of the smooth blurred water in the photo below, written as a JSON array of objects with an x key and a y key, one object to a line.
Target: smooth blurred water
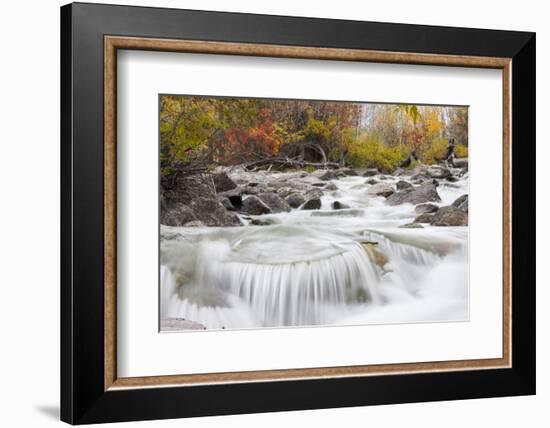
[{"x": 318, "y": 268}]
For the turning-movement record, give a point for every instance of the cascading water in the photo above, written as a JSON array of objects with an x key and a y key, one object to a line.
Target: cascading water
[{"x": 318, "y": 267}]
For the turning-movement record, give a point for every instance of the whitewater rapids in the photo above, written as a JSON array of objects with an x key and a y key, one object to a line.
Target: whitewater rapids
[{"x": 321, "y": 267}]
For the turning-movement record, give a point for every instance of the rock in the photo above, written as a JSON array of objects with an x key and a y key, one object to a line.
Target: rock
[
  {"x": 451, "y": 179},
  {"x": 274, "y": 202},
  {"x": 255, "y": 206},
  {"x": 262, "y": 221},
  {"x": 424, "y": 218},
  {"x": 438, "y": 171},
  {"x": 194, "y": 223},
  {"x": 174, "y": 324},
  {"x": 369, "y": 172},
  {"x": 319, "y": 184},
  {"x": 295, "y": 200},
  {"x": 375, "y": 255},
  {"x": 411, "y": 226},
  {"x": 314, "y": 193},
  {"x": 177, "y": 215},
  {"x": 401, "y": 184},
  {"x": 213, "y": 213},
  {"x": 450, "y": 216},
  {"x": 252, "y": 184},
  {"x": 331, "y": 187},
  {"x": 337, "y": 205},
  {"x": 348, "y": 172},
  {"x": 372, "y": 181},
  {"x": 415, "y": 195},
  {"x": 425, "y": 208},
  {"x": 189, "y": 187},
  {"x": 328, "y": 175},
  {"x": 460, "y": 162},
  {"x": 312, "y": 204},
  {"x": 222, "y": 182},
  {"x": 226, "y": 202},
  {"x": 381, "y": 189},
  {"x": 283, "y": 192},
  {"x": 461, "y": 203}
]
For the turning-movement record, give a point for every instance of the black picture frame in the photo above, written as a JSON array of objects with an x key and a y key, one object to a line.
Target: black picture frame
[{"x": 83, "y": 398}]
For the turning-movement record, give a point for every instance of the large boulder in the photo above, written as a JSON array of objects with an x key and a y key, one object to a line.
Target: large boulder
[
  {"x": 461, "y": 203},
  {"x": 425, "y": 208},
  {"x": 450, "y": 216},
  {"x": 274, "y": 202},
  {"x": 176, "y": 215},
  {"x": 381, "y": 189},
  {"x": 438, "y": 171},
  {"x": 314, "y": 193},
  {"x": 295, "y": 200},
  {"x": 188, "y": 187},
  {"x": 213, "y": 213},
  {"x": 424, "y": 218},
  {"x": 415, "y": 195},
  {"x": 255, "y": 206},
  {"x": 222, "y": 182}
]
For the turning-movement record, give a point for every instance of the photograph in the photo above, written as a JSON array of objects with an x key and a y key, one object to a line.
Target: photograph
[{"x": 299, "y": 213}]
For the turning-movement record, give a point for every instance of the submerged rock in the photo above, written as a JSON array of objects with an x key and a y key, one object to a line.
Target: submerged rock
[
  {"x": 337, "y": 205},
  {"x": 375, "y": 255},
  {"x": 415, "y": 195},
  {"x": 411, "y": 226},
  {"x": 450, "y": 216},
  {"x": 255, "y": 206},
  {"x": 274, "y": 202},
  {"x": 264, "y": 221},
  {"x": 381, "y": 189}
]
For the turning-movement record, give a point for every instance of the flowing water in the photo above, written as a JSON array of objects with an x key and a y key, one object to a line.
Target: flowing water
[{"x": 321, "y": 267}]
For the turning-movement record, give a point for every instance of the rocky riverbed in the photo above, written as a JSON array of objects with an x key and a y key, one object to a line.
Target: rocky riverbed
[{"x": 243, "y": 249}]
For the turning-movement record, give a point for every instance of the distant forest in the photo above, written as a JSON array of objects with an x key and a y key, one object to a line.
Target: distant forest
[{"x": 197, "y": 133}]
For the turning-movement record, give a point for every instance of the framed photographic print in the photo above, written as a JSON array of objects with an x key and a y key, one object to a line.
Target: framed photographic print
[{"x": 265, "y": 213}]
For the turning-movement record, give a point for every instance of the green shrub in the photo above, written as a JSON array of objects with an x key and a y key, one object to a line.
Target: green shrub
[{"x": 372, "y": 153}]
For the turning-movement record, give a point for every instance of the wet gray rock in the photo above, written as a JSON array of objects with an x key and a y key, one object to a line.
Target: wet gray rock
[
  {"x": 255, "y": 206},
  {"x": 461, "y": 203},
  {"x": 222, "y": 182},
  {"x": 213, "y": 213},
  {"x": 176, "y": 214},
  {"x": 369, "y": 172},
  {"x": 295, "y": 200},
  {"x": 371, "y": 181},
  {"x": 424, "y": 218},
  {"x": 264, "y": 221},
  {"x": 175, "y": 324},
  {"x": 328, "y": 175},
  {"x": 274, "y": 202},
  {"x": 411, "y": 226},
  {"x": 194, "y": 223},
  {"x": 226, "y": 202},
  {"x": 425, "y": 208},
  {"x": 314, "y": 193},
  {"x": 320, "y": 184},
  {"x": 337, "y": 205},
  {"x": 452, "y": 179},
  {"x": 381, "y": 189},
  {"x": 401, "y": 184},
  {"x": 415, "y": 195},
  {"x": 331, "y": 187},
  {"x": 312, "y": 204},
  {"x": 450, "y": 216}
]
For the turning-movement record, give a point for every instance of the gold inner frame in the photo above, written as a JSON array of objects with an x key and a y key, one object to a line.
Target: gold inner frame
[{"x": 113, "y": 43}]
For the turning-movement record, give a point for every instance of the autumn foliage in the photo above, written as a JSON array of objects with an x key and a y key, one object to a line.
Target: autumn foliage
[{"x": 228, "y": 131}]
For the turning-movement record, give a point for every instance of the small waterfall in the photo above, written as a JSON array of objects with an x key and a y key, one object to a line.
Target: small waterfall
[{"x": 304, "y": 292}]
